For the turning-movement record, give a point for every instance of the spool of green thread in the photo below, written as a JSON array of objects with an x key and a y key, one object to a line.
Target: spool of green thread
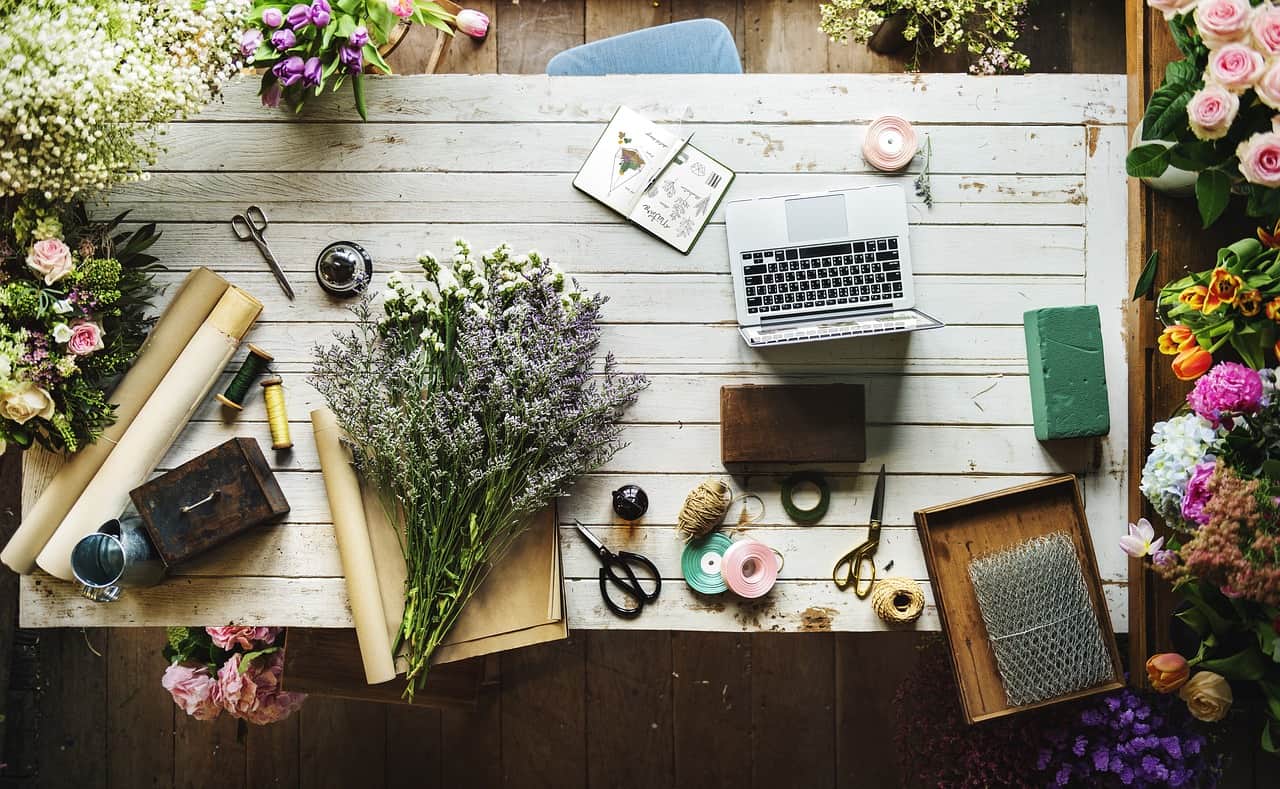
[
  {"x": 700, "y": 563},
  {"x": 255, "y": 364}
]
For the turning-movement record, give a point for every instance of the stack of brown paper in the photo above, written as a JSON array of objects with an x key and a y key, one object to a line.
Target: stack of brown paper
[
  {"x": 178, "y": 324},
  {"x": 520, "y": 603}
]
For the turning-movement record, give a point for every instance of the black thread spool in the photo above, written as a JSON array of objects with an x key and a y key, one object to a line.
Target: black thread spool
[
  {"x": 254, "y": 365},
  {"x": 630, "y": 502},
  {"x": 344, "y": 269}
]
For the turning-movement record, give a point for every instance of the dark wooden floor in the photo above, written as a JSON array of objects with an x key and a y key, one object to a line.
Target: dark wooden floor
[{"x": 606, "y": 709}]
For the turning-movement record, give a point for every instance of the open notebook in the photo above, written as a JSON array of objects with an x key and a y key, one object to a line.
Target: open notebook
[{"x": 654, "y": 178}]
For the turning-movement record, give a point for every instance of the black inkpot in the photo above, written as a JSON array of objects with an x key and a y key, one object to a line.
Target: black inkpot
[
  {"x": 630, "y": 502},
  {"x": 344, "y": 269}
]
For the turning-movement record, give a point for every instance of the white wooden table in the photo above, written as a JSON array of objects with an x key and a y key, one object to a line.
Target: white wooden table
[{"x": 1029, "y": 212}]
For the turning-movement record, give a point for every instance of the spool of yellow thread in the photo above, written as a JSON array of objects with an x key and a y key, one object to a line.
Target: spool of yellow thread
[{"x": 277, "y": 416}]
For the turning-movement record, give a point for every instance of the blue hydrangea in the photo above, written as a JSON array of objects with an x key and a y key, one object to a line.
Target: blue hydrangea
[{"x": 1177, "y": 445}]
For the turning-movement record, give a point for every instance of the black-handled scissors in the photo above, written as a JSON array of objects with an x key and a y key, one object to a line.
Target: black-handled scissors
[
  {"x": 857, "y": 568},
  {"x": 252, "y": 226},
  {"x": 611, "y": 564}
]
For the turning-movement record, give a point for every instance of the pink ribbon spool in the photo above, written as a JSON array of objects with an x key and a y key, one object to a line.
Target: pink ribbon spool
[
  {"x": 890, "y": 143},
  {"x": 750, "y": 568}
]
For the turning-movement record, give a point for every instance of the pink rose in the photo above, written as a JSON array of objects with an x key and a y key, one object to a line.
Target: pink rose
[
  {"x": 51, "y": 259},
  {"x": 193, "y": 690},
  {"x": 1268, "y": 86},
  {"x": 1266, "y": 29},
  {"x": 1235, "y": 67},
  {"x": 1260, "y": 159},
  {"x": 1172, "y": 8},
  {"x": 1222, "y": 21},
  {"x": 231, "y": 636},
  {"x": 1211, "y": 111},
  {"x": 86, "y": 337}
]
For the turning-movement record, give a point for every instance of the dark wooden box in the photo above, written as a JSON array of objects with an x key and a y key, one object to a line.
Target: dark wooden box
[
  {"x": 209, "y": 499},
  {"x": 806, "y": 423},
  {"x": 954, "y": 534}
]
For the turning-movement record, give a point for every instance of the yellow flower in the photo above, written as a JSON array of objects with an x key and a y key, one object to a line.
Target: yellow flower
[
  {"x": 1208, "y": 696},
  {"x": 1273, "y": 309},
  {"x": 1224, "y": 288},
  {"x": 1249, "y": 303},
  {"x": 1194, "y": 296},
  {"x": 1176, "y": 339}
]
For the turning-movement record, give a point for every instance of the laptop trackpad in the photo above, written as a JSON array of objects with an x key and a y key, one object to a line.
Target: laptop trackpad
[{"x": 816, "y": 218}]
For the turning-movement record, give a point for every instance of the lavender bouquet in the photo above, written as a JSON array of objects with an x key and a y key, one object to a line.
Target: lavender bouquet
[{"x": 471, "y": 402}]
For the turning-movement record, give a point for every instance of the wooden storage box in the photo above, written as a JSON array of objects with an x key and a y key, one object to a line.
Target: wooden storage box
[
  {"x": 793, "y": 423},
  {"x": 954, "y": 534}
]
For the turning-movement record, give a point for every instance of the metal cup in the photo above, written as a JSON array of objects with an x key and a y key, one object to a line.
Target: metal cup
[{"x": 118, "y": 555}]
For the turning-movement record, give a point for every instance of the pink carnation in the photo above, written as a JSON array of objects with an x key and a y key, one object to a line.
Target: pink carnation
[
  {"x": 194, "y": 690},
  {"x": 1211, "y": 112},
  {"x": 1259, "y": 158},
  {"x": 232, "y": 636},
  {"x": 1222, "y": 21},
  {"x": 1229, "y": 388},
  {"x": 1198, "y": 494},
  {"x": 1235, "y": 67},
  {"x": 255, "y": 695},
  {"x": 1266, "y": 29}
]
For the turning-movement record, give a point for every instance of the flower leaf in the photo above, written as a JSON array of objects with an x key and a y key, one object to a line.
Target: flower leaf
[
  {"x": 1147, "y": 161},
  {"x": 1247, "y": 664},
  {"x": 1148, "y": 276},
  {"x": 1213, "y": 191}
]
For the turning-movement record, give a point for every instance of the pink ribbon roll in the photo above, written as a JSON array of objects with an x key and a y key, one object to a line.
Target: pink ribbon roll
[
  {"x": 750, "y": 568},
  {"x": 890, "y": 143}
]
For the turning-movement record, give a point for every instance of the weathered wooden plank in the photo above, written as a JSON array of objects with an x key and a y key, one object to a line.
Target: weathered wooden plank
[
  {"x": 140, "y": 712},
  {"x": 869, "y": 667},
  {"x": 528, "y": 34},
  {"x": 414, "y": 756},
  {"x": 605, "y": 18},
  {"x": 471, "y": 742},
  {"x": 629, "y": 709},
  {"x": 708, "y": 298},
  {"x": 271, "y": 754},
  {"x": 544, "y": 715},
  {"x": 72, "y": 708},
  {"x": 562, "y": 148},
  {"x": 793, "y": 690},
  {"x": 336, "y": 739},
  {"x": 467, "y": 55},
  {"x": 711, "y": 98},
  {"x": 931, "y": 449},
  {"x": 711, "y": 701},
  {"x": 784, "y": 37},
  {"x": 606, "y": 248},
  {"x": 208, "y": 754}
]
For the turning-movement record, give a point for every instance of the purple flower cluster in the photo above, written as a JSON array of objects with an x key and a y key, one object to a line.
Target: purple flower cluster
[
  {"x": 1124, "y": 739},
  {"x": 1229, "y": 388}
]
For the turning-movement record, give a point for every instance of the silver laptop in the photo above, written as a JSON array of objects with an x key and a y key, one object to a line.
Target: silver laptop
[{"x": 823, "y": 266}]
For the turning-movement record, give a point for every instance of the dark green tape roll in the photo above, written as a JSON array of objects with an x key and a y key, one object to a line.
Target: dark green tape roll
[{"x": 824, "y": 497}]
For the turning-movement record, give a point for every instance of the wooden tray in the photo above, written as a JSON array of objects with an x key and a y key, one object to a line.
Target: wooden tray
[{"x": 954, "y": 534}]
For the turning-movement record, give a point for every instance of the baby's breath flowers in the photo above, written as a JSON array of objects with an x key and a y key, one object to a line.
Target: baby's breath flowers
[
  {"x": 472, "y": 401},
  {"x": 986, "y": 29},
  {"x": 84, "y": 85}
]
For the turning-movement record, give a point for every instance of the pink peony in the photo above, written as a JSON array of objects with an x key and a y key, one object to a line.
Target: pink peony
[
  {"x": 1172, "y": 8},
  {"x": 1198, "y": 494},
  {"x": 1229, "y": 388},
  {"x": 1235, "y": 67},
  {"x": 1223, "y": 21},
  {"x": 86, "y": 337},
  {"x": 232, "y": 636},
  {"x": 255, "y": 695},
  {"x": 1211, "y": 111},
  {"x": 194, "y": 690},
  {"x": 1266, "y": 29},
  {"x": 1260, "y": 159},
  {"x": 50, "y": 259},
  {"x": 1268, "y": 86}
]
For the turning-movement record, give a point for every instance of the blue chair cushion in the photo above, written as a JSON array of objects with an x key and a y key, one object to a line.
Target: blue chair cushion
[{"x": 698, "y": 46}]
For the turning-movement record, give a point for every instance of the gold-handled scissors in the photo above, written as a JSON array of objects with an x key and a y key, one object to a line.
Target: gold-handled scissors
[
  {"x": 857, "y": 568},
  {"x": 252, "y": 226}
]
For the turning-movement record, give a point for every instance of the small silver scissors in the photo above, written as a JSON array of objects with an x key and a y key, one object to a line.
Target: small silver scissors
[{"x": 250, "y": 226}]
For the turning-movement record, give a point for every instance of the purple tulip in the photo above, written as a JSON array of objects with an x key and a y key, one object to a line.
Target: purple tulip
[
  {"x": 288, "y": 70},
  {"x": 473, "y": 23},
  {"x": 283, "y": 38},
  {"x": 359, "y": 37},
  {"x": 352, "y": 58},
  {"x": 250, "y": 40},
  {"x": 320, "y": 13},
  {"x": 271, "y": 17},
  {"x": 299, "y": 16},
  {"x": 271, "y": 96},
  {"x": 311, "y": 72}
]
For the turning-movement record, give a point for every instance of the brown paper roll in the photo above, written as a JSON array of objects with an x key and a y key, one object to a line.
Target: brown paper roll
[
  {"x": 190, "y": 306},
  {"x": 388, "y": 560},
  {"x": 155, "y": 428},
  {"x": 351, "y": 530}
]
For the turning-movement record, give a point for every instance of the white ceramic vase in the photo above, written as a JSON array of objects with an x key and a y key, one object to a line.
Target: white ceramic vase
[{"x": 1173, "y": 181}]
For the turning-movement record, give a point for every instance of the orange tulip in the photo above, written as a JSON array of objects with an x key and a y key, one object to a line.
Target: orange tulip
[
  {"x": 1194, "y": 296},
  {"x": 1249, "y": 303},
  {"x": 1270, "y": 240},
  {"x": 1167, "y": 671},
  {"x": 1276, "y": 350},
  {"x": 1273, "y": 309},
  {"x": 1224, "y": 288},
  {"x": 1176, "y": 339},
  {"x": 1192, "y": 363}
]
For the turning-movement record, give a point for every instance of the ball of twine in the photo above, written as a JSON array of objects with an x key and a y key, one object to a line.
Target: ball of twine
[
  {"x": 704, "y": 509},
  {"x": 897, "y": 600}
]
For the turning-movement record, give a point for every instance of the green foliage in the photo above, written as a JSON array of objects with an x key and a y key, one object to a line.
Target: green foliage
[
  {"x": 193, "y": 645},
  {"x": 1147, "y": 161},
  {"x": 1213, "y": 191}
]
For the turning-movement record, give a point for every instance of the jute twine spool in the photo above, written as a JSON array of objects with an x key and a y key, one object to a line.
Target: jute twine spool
[
  {"x": 704, "y": 509},
  {"x": 897, "y": 600}
]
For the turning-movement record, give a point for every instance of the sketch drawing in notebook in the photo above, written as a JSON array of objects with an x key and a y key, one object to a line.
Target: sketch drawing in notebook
[{"x": 654, "y": 178}]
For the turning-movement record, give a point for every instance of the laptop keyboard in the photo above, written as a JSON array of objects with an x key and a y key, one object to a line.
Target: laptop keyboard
[{"x": 785, "y": 279}]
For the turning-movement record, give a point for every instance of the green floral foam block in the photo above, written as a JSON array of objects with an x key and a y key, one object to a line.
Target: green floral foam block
[{"x": 1068, "y": 381}]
